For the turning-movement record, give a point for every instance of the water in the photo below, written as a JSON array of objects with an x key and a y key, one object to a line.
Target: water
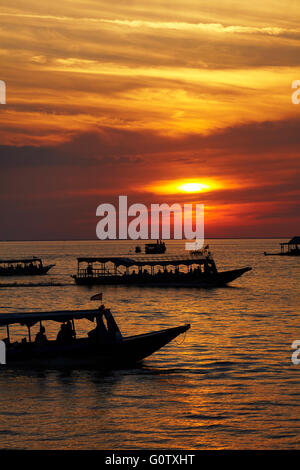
[{"x": 228, "y": 384}]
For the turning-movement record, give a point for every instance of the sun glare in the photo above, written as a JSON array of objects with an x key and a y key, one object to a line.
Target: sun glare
[
  {"x": 183, "y": 186},
  {"x": 193, "y": 187}
]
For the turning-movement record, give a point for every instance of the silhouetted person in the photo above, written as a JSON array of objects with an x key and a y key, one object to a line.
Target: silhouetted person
[
  {"x": 41, "y": 337},
  {"x": 89, "y": 270},
  {"x": 103, "y": 333},
  {"x": 66, "y": 333}
]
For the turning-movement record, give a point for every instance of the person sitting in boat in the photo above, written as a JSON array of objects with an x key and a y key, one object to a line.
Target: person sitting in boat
[
  {"x": 41, "y": 337},
  {"x": 66, "y": 333}
]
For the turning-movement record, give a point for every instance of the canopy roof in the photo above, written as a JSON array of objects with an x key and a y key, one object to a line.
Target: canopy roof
[
  {"x": 32, "y": 318},
  {"x": 162, "y": 260},
  {"x": 293, "y": 241},
  {"x": 20, "y": 260}
]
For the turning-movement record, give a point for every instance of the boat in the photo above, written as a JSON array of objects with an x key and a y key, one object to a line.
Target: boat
[
  {"x": 194, "y": 269},
  {"x": 152, "y": 248},
  {"x": 23, "y": 267},
  {"x": 104, "y": 347},
  {"x": 292, "y": 248}
]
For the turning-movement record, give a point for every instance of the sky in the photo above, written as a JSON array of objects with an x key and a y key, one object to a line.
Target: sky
[{"x": 138, "y": 98}]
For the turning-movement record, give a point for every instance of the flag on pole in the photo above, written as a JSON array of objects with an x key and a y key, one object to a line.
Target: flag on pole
[{"x": 97, "y": 296}]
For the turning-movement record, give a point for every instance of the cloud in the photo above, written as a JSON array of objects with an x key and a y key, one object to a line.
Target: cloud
[
  {"x": 104, "y": 98},
  {"x": 216, "y": 28},
  {"x": 99, "y": 144}
]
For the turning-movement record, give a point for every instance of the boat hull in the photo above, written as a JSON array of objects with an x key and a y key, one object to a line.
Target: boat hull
[
  {"x": 28, "y": 271},
  {"x": 85, "y": 353},
  {"x": 181, "y": 280},
  {"x": 288, "y": 253}
]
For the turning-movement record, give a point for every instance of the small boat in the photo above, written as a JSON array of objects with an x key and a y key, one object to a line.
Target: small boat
[
  {"x": 195, "y": 269},
  {"x": 104, "y": 347},
  {"x": 292, "y": 248},
  {"x": 152, "y": 248},
  {"x": 23, "y": 267},
  {"x": 155, "y": 248}
]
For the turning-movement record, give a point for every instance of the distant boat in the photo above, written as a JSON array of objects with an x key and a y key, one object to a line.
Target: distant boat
[
  {"x": 104, "y": 347},
  {"x": 153, "y": 248},
  {"x": 290, "y": 248},
  {"x": 23, "y": 267},
  {"x": 195, "y": 269}
]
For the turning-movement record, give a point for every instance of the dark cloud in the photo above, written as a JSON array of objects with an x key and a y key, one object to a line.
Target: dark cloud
[
  {"x": 275, "y": 140},
  {"x": 42, "y": 186}
]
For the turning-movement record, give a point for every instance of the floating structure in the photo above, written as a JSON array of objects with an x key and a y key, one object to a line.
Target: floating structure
[
  {"x": 290, "y": 248},
  {"x": 104, "y": 347},
  {"x": 23, "y": 267},
  {"x": 195, "y": 269}
]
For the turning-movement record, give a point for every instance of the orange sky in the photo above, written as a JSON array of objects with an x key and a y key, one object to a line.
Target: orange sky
[{"x": 108, "y": 98}]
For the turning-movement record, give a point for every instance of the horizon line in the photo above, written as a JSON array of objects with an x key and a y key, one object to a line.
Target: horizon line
[{"x": 141, "y": 240}]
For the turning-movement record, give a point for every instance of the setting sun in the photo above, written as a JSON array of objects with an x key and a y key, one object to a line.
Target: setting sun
[
  {"x": 193, "y": 187},
  {"x": 183, "y": 186}
]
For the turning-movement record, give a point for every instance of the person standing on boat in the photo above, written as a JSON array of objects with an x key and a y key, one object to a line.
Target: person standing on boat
[
  {"x": 89, "y": 270},
  {"x": 103, "y": 333}
]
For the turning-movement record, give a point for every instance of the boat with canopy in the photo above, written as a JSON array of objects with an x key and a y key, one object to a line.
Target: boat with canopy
[
  {"x": 194, "y": 269},
  {"x": 23, "y": 267},
  {"x": 290, "y": 248},
  {"x": 103, "y": 347}
]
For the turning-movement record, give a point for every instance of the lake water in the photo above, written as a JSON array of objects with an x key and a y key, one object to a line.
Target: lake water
[{"x": 228, "y": 384}]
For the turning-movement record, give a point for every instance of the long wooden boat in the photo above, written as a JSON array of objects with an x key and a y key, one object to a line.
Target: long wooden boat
[
  {"x": 290, "y": 248},
  {"x": 103, "y": 348},
  {"x": 195, "y": 269},
  {"x": 23, "y": 267}
]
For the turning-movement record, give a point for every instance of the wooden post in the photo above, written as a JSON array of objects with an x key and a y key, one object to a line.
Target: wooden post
[
  {"x": 29, "y": 334},
  {"x": 73, "y": 325},
  {"x": 8, "y": 336}
]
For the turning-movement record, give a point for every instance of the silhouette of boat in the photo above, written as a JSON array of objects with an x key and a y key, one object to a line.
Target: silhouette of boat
[
  {"x": 23, "y": 267},
  {"x": 104, "y": 347},
  {"x": 196, "y": 269},
  {"x": 153, "y": 248},
  {"x": 292, "y": 248}
]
